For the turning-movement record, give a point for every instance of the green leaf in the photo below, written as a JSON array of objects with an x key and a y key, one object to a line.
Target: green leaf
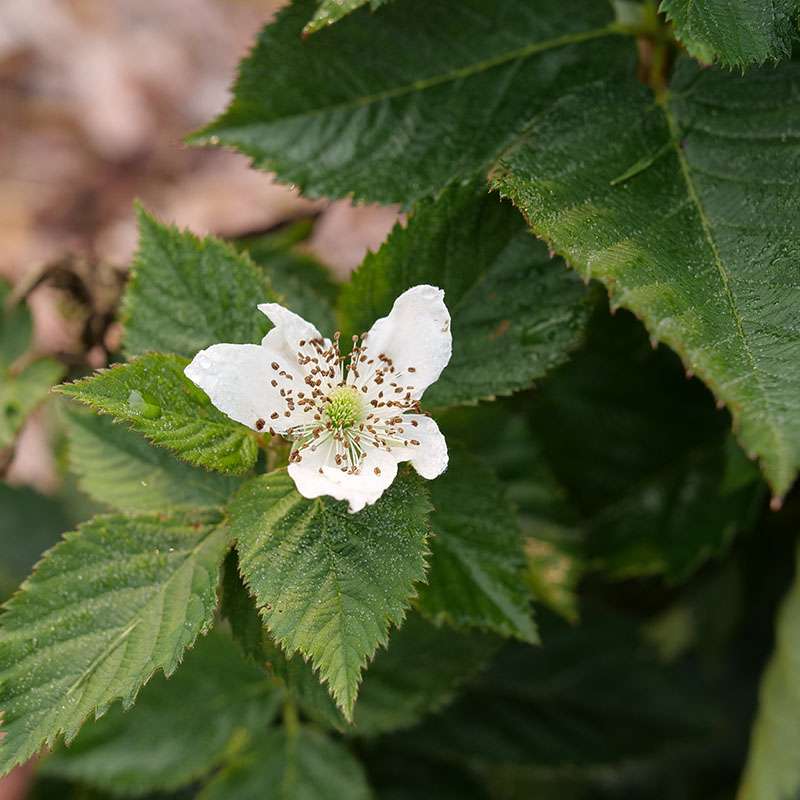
[
  {"x": 158, "y": 745},
  {"x": 187, "y": 293},
  {"x": 477, "y": 563},
  {"x": 400, "y": 778},
  {"x": 549, "y": 523},
  {"x": 16, "y": 328},
  {"x": 392, "y": 696},
  {"x": 593, "y": 695},
  {"x": 239, "y": 609},
  {"x": 553, "y": 575},
  {"x": 294, "y": 674},
  {"x": 154, "y": 397},
  {"x": 305, "y": 765},
  {"x": 329, "y": 583},
  {"x": 418, "y": 674},
  {"x": 392, "y": 107},
  {"x": 495, "y": 276},
  {"x": 644, "y": 456},
  {"x": 736, "y": 33},
  {"x": 671, "y": 523},
  {"x": 772, "y": 771},
  {"x": 21, "y": 392},
  {"x": 30, "y": 522},
  {"x": 304, "y": 688},
  {"x": 304, "y": 285},
  {"x": 698, "y": 240},
  {"x": 118, "y": 599},
  {"x": 117, "y": 466},
  {"x": 330, "y": 11},
  {"x": 24, "y": 383},
  {"x": 276, "y": 240}
]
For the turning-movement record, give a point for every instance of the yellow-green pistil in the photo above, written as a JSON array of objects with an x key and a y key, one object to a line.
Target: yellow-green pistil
[{"x": 345, "y": 408}]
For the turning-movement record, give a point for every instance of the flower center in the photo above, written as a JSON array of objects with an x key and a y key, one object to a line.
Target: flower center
[{"x": 344, "y": 408}]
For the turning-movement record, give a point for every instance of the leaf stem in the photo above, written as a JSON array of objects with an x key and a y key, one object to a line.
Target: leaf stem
[{"x": 291, "y": 719}]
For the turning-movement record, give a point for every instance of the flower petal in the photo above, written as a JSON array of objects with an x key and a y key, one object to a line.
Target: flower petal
[
  {"x": 415, "y": 336},
  {"x": 317, "y": 474},
  {"x": 283, "y": 340},
  {"x": 429, "y": 458},
  {"x": 238, "y": 380}
]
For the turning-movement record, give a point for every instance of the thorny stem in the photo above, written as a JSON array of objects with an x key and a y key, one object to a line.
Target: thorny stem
[{"x": 656, "y": 46}]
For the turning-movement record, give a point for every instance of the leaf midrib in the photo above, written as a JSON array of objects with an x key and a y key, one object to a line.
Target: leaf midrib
[
  {"x": 675, "y": 138},
  {"x": 156, "y": 588},
  {"x": 520, "y": 54},
  {"x": 346, "y": 702}
]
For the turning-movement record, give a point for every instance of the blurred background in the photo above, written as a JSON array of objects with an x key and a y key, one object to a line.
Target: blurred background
[{"x": 95, "y": 99}]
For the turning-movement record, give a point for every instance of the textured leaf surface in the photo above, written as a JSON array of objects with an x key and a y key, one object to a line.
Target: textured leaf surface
[
  {"x": 395, "y": 105},
  {"x": 330, "y": 583},
  {"x": 477, "y": 561},
  {"x": 158, "y": 745},
  {"x": 737, "y": 33},
  {"x": 773, "y": 771},
  {"x": 304, "y": 766},
  {"x": 117, "y": 466},
  {"x": 515, "y": 313},
  {"x": 29, "y": 523},
  {"x": 118, "y": 599},
  {"x": 187, "y": 293},
  {"x": 153, "y": 396},
  {"x": 331, "y": 11},
  {"x": 22, "y": 391},
  {"x": 699, "y": 238}
]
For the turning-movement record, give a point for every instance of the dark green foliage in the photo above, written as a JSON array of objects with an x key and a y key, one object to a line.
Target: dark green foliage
[
  {"x": 302, "y": 284},
  {"x": 644, "y": 454},
  {"x": 496, "y": 277},
  {"x": 159, "y": 745},
  {"x": 297, "y": 765},
  {"x": 593, "y": 485},
  {"x": 25, "y": 380},
  {"x": 593, "y": 695},
  {"x": 356, "y": 110},
  {"x": 29, "y": 524},
  {"x": 477, "y": 559},
  {"x": 719, "y": 248}
]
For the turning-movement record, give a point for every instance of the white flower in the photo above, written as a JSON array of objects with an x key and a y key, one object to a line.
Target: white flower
[{"x": 350, "y": 423}]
